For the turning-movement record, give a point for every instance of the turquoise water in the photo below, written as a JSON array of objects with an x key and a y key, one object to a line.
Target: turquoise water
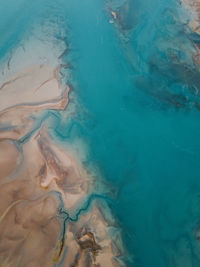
[{"x": 140, "y": 119}]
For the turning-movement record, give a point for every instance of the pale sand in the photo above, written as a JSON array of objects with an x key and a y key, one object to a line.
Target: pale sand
[
  {"x": 55, "y": 169},
  {"x": 25, "y": 197},
  {"x": 20, "y": 119},
  {"x": 40, "y": 176},
  {"x": 9, "y": 158},
  {"x": 194, "y": 8},
  {"x": 29, "y": 231},
  {"x": 95, "y": 245},
  {"x": 33, "y": 85},
  {"x": 27, "y": 94}
]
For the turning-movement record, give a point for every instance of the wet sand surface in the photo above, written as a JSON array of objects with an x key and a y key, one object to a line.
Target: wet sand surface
[{"x": 47, "y": 216}]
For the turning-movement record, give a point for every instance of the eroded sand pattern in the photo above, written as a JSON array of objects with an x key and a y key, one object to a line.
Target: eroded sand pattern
[{"x": 48, "y": 214}]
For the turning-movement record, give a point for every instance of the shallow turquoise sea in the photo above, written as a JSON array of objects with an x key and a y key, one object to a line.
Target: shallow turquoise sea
[{"x": 138, "y": 93}]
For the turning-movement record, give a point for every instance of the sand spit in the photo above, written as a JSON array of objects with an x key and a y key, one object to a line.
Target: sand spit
[{"x": 43, "y": 186}]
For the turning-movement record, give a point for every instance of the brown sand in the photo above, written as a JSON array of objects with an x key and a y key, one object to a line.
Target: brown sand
[{"x": 37, "y": 177}]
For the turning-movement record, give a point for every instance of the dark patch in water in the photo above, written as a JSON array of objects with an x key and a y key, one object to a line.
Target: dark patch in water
[
  {"x": 194, "y": 37},
  {"x": 161, "y": 93},
  {"x": 126, "y": 15},
  {"x": 163, "y": 73}
]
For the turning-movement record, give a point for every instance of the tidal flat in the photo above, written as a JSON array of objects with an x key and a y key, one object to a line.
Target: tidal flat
[{"x": 99, "y": 133}]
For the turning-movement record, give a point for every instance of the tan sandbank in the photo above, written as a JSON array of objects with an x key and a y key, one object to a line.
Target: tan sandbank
[
  {"x": 32, "y": 85},
  {"x": 37, "y": 177},
  {"x": 25, "y": 96}
]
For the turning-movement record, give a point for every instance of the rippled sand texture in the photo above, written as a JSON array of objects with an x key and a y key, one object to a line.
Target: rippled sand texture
[{"x": 46, "y": 218}]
